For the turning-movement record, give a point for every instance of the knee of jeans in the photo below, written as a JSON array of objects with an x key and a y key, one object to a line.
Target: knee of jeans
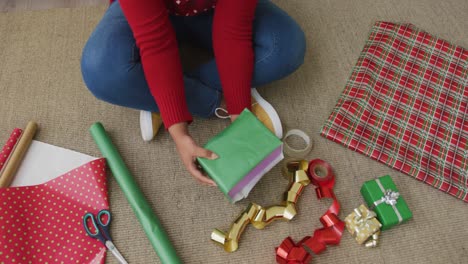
[
  {"x": 98, "y": 73},
  {"x": 286, "y": 50},
  {"x": 293, "y": 46},
  {"x": 91, "y": 64},
  {"x": 300, "y": 47}
]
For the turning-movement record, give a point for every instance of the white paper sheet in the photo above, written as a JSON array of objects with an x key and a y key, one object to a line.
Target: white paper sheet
[{"x": 43, "y": 162}]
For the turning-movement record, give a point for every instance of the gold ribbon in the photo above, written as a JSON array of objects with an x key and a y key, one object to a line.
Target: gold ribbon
[
  {"x": 230, "y": 241},
  {"x": 373, "y": 242},
  {"x": 260, "y": 217}
]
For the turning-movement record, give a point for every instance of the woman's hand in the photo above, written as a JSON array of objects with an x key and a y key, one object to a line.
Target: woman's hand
[{"x": 189, "y": 151}]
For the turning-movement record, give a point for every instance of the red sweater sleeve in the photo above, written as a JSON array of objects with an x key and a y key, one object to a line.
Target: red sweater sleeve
[
  {"x": 155, "y": 37},
  {"x": 232, "y": 43}
]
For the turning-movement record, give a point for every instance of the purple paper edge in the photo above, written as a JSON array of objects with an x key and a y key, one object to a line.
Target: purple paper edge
[{"x": 259, "y": 168}]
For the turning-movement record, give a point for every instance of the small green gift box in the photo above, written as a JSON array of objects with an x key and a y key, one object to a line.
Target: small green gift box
[{"x": 382, "y": 195}]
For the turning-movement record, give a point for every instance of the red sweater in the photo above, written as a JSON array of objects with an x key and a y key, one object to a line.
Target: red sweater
[{"x": 232, "y": 43}]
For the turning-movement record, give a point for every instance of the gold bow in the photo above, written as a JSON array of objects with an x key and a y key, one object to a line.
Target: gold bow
[{"x": 363, "y": 224}]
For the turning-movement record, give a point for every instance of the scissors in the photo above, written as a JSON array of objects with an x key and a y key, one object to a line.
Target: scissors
[{"x": 101, "y": 231}]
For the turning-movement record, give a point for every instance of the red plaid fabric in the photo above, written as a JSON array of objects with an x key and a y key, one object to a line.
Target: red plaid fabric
[{"x": 405, "y": 105}]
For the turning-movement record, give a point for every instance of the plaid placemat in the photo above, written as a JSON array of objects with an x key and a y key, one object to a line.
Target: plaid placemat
[{"x": 405, "y": 105}]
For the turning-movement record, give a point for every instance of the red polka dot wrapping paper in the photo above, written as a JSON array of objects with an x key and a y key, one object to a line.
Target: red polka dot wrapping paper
[
  {"x": 9, "y": 146},
  {"x": 44, "y": 223},
  {"x": 405, "y": 105}
]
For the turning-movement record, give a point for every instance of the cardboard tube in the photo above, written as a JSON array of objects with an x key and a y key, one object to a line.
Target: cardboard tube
[
  {"x": 16, "y": 157},
  {"x": 142, "y": 209}
]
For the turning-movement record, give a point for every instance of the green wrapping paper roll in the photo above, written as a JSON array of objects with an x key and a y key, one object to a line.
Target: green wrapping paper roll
[{"x": 148, "y": 220}]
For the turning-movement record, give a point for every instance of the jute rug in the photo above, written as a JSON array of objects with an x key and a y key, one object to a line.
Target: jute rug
[{"x": 40, "y": 80}]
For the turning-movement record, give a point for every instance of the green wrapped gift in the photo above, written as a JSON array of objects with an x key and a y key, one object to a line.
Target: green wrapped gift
[
  {"x": 247, "y": 150},
  {"x": 383, "y": 196}
]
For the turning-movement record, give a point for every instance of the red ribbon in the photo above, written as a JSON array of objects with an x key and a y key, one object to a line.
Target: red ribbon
[{"x": 321, "y": 175}]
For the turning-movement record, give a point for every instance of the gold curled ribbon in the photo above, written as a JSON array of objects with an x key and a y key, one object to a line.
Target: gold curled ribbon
[
  {"x": 260, "y": 217},
  {"x": 230, "y": 241},
  {"x": 373, "y": 242}
]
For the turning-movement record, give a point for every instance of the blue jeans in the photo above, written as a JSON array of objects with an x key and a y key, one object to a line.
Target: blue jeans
[{"x": 112, "y": 69}]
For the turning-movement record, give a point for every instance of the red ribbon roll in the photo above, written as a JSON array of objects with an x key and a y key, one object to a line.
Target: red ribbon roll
[{"x": 321, "y": 175}]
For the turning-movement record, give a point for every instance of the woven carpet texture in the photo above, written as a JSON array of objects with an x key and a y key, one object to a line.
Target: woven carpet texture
[{"x": 40, "y": 80}]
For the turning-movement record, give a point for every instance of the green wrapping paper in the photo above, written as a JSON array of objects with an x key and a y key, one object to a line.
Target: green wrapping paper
[
  {"x": 148, "y": 220},
  {"x": 389, "y": 215}
]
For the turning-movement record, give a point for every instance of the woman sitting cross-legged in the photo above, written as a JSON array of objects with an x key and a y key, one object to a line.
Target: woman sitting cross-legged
[{"x": 132, "y": 59}]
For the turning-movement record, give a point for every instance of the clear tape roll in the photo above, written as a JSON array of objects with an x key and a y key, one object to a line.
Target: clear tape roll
[{"x": 297, "y": 153}]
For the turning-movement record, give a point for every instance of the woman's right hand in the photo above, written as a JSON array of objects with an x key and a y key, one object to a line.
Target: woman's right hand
[{"x": 189, "y": 151}]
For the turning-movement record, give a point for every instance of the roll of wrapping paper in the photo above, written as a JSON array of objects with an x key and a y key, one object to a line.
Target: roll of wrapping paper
[
  {"x": 9, "y": 147},
  {"x": 143, "y": 211},
  {"x": 17, "y": 155}
]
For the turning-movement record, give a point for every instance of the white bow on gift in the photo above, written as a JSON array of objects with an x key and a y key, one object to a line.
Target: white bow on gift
[{"x": 390, "y": 197}]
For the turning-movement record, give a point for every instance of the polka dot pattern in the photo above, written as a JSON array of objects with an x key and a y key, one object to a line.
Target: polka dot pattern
[
  {"x": 9, "y": 146},
  {"x": 43, "y": 223},
  {"x": 189, "y": 7}
]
